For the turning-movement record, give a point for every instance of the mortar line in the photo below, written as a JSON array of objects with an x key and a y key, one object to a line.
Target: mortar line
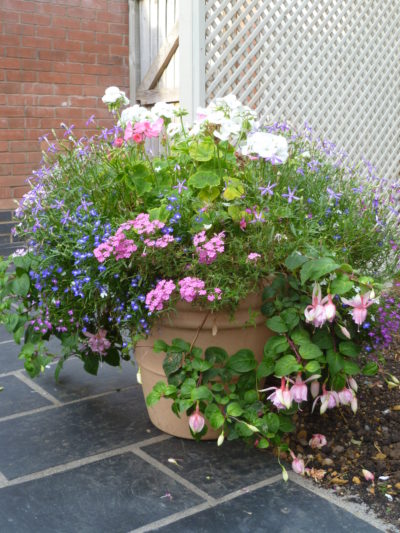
[
  {"x": 3, "y": 480},
  {"x": 207, "y": 505},
  {"x": 37, "y": 388},
  {"x": 72, "y": 465},
  {"x": 11, "y": 373},
  {"x": 355, "y": 509},
  {"x": 6, "y": 342},
  {"x": 182, "y": 481},
  {"x": 62, "y": 404}
]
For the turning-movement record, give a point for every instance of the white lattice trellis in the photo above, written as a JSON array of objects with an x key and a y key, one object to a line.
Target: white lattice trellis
[{"x": 332, "y": 63}]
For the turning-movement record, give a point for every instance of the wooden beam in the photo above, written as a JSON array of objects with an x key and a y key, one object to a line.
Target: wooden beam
[
  {"x": 152, "y": 96},
  {"x": 161, "y": 61}
]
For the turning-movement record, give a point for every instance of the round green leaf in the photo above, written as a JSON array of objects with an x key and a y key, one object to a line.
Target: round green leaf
[
  {"x": 234, "y": 409},
  {"x": 204, "y": 178}
]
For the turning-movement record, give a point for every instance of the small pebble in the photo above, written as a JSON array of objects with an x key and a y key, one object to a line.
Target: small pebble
[
  {"x": 356, "y": 480},
  {"x": 327, "y": 461}
]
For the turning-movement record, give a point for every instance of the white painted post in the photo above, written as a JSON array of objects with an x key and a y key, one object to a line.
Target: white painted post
[
  {"x": 134, "y": 50},
  {"x": 191, "y": 55}
]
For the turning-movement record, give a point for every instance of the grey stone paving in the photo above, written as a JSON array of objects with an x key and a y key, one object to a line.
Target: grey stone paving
[{"x": 81, "y": 456}]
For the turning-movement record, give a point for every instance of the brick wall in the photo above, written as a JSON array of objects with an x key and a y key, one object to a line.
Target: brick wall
[{"x": 56, "y": 59}]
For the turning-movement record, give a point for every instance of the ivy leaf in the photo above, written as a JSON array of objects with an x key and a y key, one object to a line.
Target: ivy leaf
[
  {"x": 21, "y": 284},
  {"x": 290, "y": 317},
  {"x": 313, "y": 367},
  {"x": 215, "y": 354},
  {"x": 91, "y": 364},
  {"x": 152, "y": 398},
  {"x": 338, "y": 382},
  {"x": 112, "y": 358}
]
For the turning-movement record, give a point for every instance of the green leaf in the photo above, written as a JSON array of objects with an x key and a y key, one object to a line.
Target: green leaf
[
  {"x": 201, "y": 365},
  {"x": 18, "y": 334},
  {"x": 251, "y": 396},
  {"x": 268, "y": 309},
  {"x": 263, "y": 443},
  {"x": 275, "y": 345},
  {"x": 187, "y": 386},
  {"x": 21, "y": 284},
  {"x": 341, "y": 285},
  {"x": 273, "y": 422},
  {"x": 11, "y": 322},
  {"x": 216, "y": 355},
  {"x": 351, "y": 368},
  {"x": 172, "y": 363},
  {"x": 323, "y": 339},
  {"x": 160, "y": 346},
  {"x": 310, "y": 351},
  {"x": 295, "y": 260},
  {"x": 285, "y": 424},
  {"x": 152, "y": 398},
  {"x": 300, "y": 336},
  {"x": 112, "y": 358},
  {"x": 286, "y": 365},
  {"x": 181, "y": 345},
  {"x": 265, "y": 368},
  {"x": 204, "y": 178},
  {"x": 335, "y": 361},
  {"x": 242, "y": 361},
  {"x": 203, "y": 150},
  {"x": 317, "y": 268},
  {"x": 338, "y": 382},
  {"x": 290, "y": 317},
  {"x": 214, "y": 416},
  {"x": 234, "y": 409},
  {"x": 170, "y": 390},
  {"x": 201, "y": 393},
  {"x": 23, "y": 262},
  {"x": 313, "y": 367},
  {"x": 370, "y": 369},
  {"x": 349, "y": 348},
  {"x": 277, "y": 324},
  {"x": 91, "y": 365},
  {"x": 209, "y": 194},
  {"x": 160, "y": 387}
]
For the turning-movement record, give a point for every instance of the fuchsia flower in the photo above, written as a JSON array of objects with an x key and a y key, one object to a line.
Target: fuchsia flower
[
  {"x": 360, "y": 304},
  {"x": 318, "y": 441},
  {"x": 330, "y": 309},
  {"x": 297, "y": 464},
  {"x": 281, "y": 397},
  {"x": 299, "y": 390},
  {"x": 196, "y": 421},
  {"x": 321, "y": 309},
  {"x": 98, "y": 342},
  {"x": 329, "y": 400}
]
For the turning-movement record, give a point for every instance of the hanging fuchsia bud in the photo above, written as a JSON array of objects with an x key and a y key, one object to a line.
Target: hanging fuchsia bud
[
  {"x": 297, "y": 464},
  {"x": 314, "y": 389},
  {"x": 330, "y": 309},
  {"x": 318, "y": 441},
  {"x": 196, "y": 421},
  {"x": 369, "y": 476},
  {"x": 354, "y": 404},
  {"x": 352, "y": 384},
  {"x": 345, "y": 331}
]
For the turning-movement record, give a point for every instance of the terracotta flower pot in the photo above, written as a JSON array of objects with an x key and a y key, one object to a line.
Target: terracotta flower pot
[{"x": 218, "y": 330}]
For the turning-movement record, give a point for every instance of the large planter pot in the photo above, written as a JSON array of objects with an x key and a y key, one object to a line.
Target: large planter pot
[{"x": 209, "y": 329}]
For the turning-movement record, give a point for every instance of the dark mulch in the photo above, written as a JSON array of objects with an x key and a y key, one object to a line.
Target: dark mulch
[{"x": 368, "y": 440}]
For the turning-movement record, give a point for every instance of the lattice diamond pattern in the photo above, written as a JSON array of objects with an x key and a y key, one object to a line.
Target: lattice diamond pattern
[{"x": 332, "y": 63}]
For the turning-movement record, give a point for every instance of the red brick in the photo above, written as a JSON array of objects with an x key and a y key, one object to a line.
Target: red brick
[
  {"x": 36, "y": 64},
  {"x": 70, "y": 112},
  {"x": 64, "y": 22},
  {"x": 52, "y": 9},
  {"x": 17, "y": 75},
  {"x": 24, "y": 146},
  {"x": 109, "y": 38},
  {"x": 21, "y": 52},
  {"x": 56, "y": 32},
  {"x": 4, "y": 146},
  {"x": 12, "y": 180},
  {"x": 38, "y": 88},
  {"x": 9, "y": 40},
  {"x": 22, "y": 99},
  {"x": 74, "y": 46},
  {"x": 79, "y": 101},
  {"x": 97, "y": 69},
  {"x": 34, "y": 157},
  {"x": 78, "y": 12},
  {"x": 19, "y": 29},
  {"x": 5, "y": 192},
  {"x": 16, "y": 123},
  {"x": 22, "y": 168},
  {"x": 118, "y": 28},
  {"x": 53, "y": 77},
  {"x": 11, "y": 88},
  {"x": 94, "y": 4},
  {"x": 8, "y": 62},
  {"x": 39, "y": 111},
  {"x": 119, "y": 50},
  {"x": 9, "y": 111},
  {"x": 79, "y": 57},
  {"x": 77, "y": 35},
  {"x": 52, "y": 55},
  {"x": 94, "y": 47},
  {"x": 3, "y": 99},
  {"x": 111, "y": 17},
  {"x": 10, "y": 16},
  {"x": 33, "y": 18},
  {"x": 75, "y": 68},
  {"x": 18, "y": 192},
  {"x": 18, "y": 157},
  {"x": 4, "y": 123},
  {"x": 93, "y": 25},
  {"x": 36, "y": 42},
  {"x": 8, "y": 204},
  {"x": 66, "y": 90},
  {"x": 19, "y": 5},
  {"x": 103, "y": 59}
]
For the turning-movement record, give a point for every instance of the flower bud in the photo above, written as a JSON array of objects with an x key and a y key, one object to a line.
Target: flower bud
[
  {"x": 221, "y": 439},
  {"x": 196, "y": 421},
  {"x": 297, "y": 464},
  {"x": 369, "y": 476},
  {"x": 330, "y": 309},
  {"x": 353, "y": 384},
  {"x": 314, "y": 387},
  {"x": 345, "y": 331}
]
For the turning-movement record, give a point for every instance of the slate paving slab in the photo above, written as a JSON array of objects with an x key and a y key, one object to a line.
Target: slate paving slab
[
  {"x": 56, "y": 436},
  {"x": 9, "y": 352},
  {"x": 18, "y": 397},
  {"x": 278, "y": 508},
  {"x": 114, "y": 495},
  {"x": 74, "y": 382},
  {"x": 217, "y": 470}
]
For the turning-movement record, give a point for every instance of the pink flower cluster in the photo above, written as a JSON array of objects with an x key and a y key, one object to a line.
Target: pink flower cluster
[
  {"x": 253, "y": 257},
  {"x": 208, "y": 250},
  {"x": 190, "y": 288},
  {"x": 98, "y": 342},
  {"x": 143, "y": 224},
  {"x": 162, "y": 242},
  {"x": 142, "y": 130},
  {"x": 118, "y": 245},
  {"x": 161, "y": 293}
]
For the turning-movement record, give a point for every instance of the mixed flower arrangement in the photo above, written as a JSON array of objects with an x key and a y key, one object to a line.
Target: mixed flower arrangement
[{"x": 116, "y": 235}]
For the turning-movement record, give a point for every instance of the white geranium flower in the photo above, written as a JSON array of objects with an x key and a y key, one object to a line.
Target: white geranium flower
[
  {"x": 229, "y": 128},
  {"x": 136, "y": 113},
  {"x": 174, "y": 128},
  {"x": 113, "y": 94},
  {"x": 229, "y": 100},
  {"x": 162, "y": 109},
  {"x": 266, "y": 145}
]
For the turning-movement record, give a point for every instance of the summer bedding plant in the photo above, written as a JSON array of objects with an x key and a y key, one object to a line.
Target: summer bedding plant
[{"x": 117, "y": 235}]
